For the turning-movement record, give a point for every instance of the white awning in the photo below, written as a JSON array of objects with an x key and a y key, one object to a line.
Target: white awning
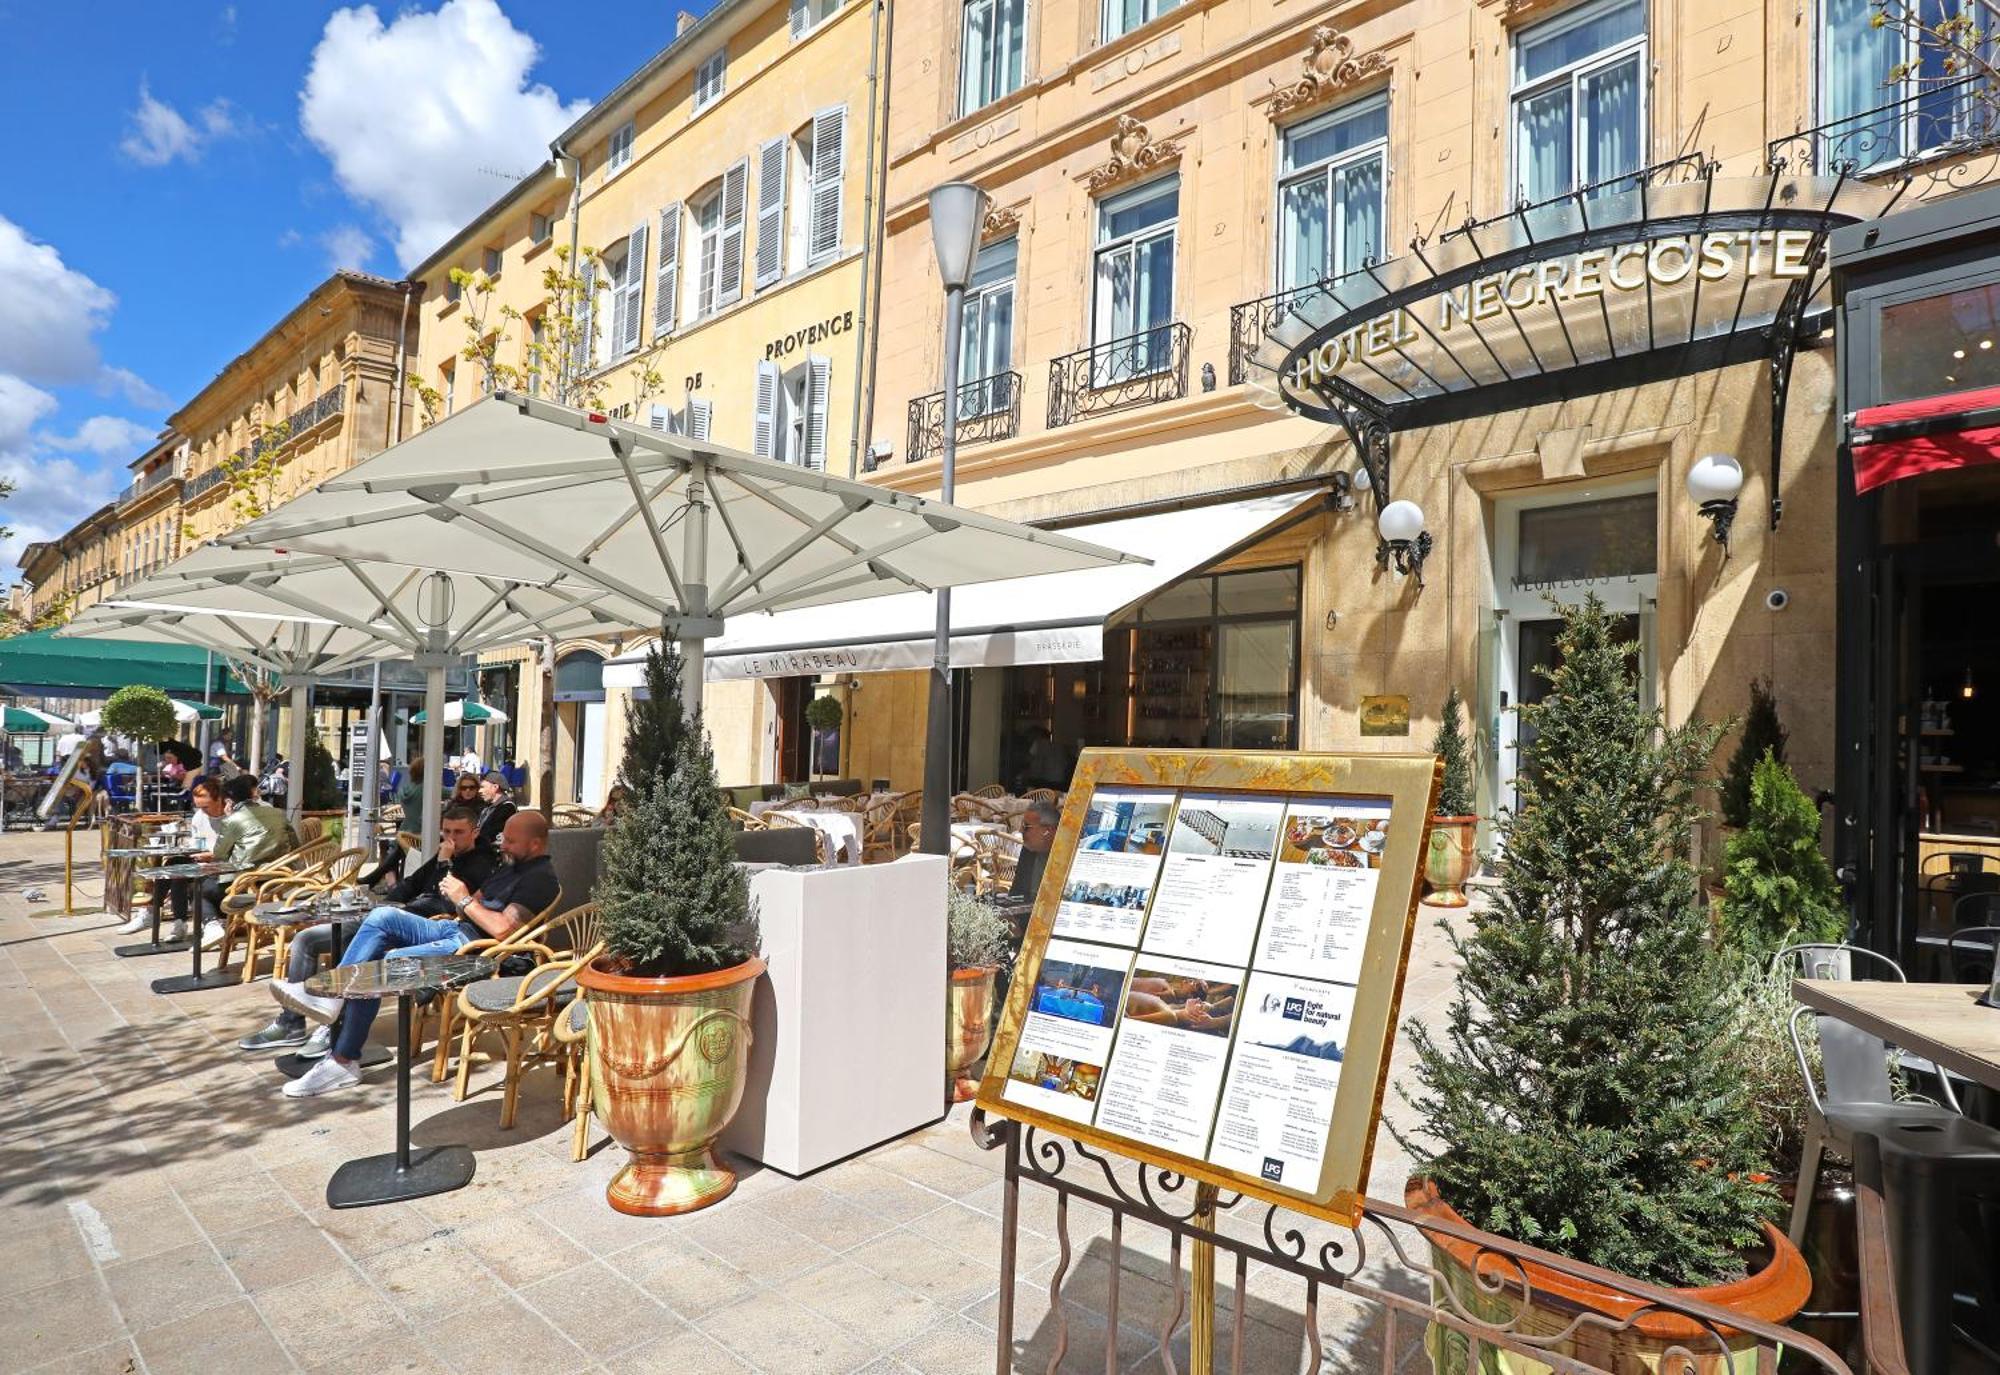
[{"x": 1051, "y": 618}]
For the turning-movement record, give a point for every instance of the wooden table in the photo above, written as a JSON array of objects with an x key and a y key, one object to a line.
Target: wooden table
[{"x": 1941, "y": 1022}]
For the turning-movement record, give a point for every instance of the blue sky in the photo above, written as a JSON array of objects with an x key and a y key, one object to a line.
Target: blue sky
[{"x": 183, "y": 173}]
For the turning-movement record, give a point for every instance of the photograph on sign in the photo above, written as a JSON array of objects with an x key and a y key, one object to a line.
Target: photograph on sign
[
  {"x": 1211, "y": 888},
  {"x": 1166, "y": 1067},
  {"x": 1110, "y": 881},
  {"x": 1066, "y": 1038},
  {"x": 1278, "y": 1098}
]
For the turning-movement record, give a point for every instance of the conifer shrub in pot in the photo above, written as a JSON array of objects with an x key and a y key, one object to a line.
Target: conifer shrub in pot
[
  {"x": 977, "y": 940},
  {"x": 669, "y": 999},
  {"x": 1450, "y": 858},
  {"x": 1583, "y": 1095}
]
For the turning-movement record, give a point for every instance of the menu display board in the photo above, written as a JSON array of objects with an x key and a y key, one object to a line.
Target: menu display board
[{"x": 1211, "y": 977}]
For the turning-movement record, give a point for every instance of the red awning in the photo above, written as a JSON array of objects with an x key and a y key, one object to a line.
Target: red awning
[{"x": 1928, "y": 435}]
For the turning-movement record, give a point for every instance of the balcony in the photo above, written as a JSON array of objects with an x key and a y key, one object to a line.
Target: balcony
[
  {"x": 989, "y": 408},
  {"x": 1117, "y": 375},
  {"x": 149, "y": 482},
  {"x": 1253, "y": 321},
  {"x": 201, "y": 484},
  {"x": 1938, "y": 121},
  {"x": 294, "y": 427}
]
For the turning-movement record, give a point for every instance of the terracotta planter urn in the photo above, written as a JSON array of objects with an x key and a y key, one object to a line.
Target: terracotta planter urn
[
  {"x": 1653, "y": 1343},
  {"x": 668, "y": 1059},
  {"x": 968, "y": 1027},
  {"x": 1449, "y": 859}
]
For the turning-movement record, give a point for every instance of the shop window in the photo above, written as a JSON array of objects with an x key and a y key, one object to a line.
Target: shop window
[
  {"x": 1134, "y": 272},
  {"x": 1886, "y": 95},
  {"x": 1123, "y": 16},
  {"x": 985, "y": 348},
  {"x": 992, "y": 40},
  {"x": 1330, "y": 197},
  {"x": 1580, "y": 98},
  {"x": 1939, "y": 344},
  {"x": 1209, "y": 662}
]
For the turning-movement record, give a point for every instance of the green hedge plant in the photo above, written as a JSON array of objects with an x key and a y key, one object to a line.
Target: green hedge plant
[
  {"x": 1778, "y": 888},
  {"x": 1455, "y": 792},
  {"x": 1762, "y": 734}
]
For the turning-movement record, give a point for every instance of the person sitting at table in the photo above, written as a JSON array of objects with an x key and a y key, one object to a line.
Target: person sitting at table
[
  {"x": 515, "y": 893},
  {"x": 458, "y": 856},
  {"x": 251, "y": 832},
  {"x": 206, "y": 793},
  {"x": 496, "y": 804},
  {"x": 1038, "y": 833}
]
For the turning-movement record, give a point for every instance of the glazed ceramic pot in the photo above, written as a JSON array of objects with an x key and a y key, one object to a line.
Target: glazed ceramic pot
[
  {"x": 1449, "y": 859},
  {"x": 968, "y": 1027},
  {"x": 1632, "y": 1343},
  {"x": 667, "y": 1070}
]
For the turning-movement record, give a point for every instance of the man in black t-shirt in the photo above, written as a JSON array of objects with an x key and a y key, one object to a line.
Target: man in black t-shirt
[{"x": 511, "y": 897}]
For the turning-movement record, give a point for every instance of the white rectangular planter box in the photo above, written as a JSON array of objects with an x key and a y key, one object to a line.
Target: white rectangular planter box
[{"x": 849, "y": 1020}]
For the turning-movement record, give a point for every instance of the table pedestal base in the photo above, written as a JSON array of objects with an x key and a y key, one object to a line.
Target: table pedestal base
[
  {"x": 190, "y": 983},
  {"x": 292, "y": 1066},
  {"x": 149, "y": 948},
  {"x": 376, "y": 1179}
]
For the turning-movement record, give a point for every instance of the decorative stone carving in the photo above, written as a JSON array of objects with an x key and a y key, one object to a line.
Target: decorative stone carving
[
  {"x": 1134, "y": 152},
  {"x": 1000, "y": 222},
  {"x": 1330, "y": 68}
]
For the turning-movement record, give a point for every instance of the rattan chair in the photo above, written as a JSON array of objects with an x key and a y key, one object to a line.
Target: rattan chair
[
  {"x": 822, "y": 842},
  {"x": 307, "y": 862},
  {"x": 571, "y": 815},
  {"x": 878, "y": 831},
  {"x": 518, "y": 1005},
  {"x": 990, "y": 790},
  {"x": 995, "y": 857},
  {"x": 744, "y": 819},
  {"x": 524, "y": 937},
  {"x": 571, "y": 1038}
]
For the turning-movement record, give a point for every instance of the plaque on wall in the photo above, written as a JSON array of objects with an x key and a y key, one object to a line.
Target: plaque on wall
[
  {"x": 1211, "y": 979},
  {"x": 1387, "y": 715}
]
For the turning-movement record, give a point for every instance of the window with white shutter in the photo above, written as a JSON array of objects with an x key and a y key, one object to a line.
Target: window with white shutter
[
  {"x": 631, "y": 320},
  {"x": 583, "y": 348},
  {"x": 708, "y": 252},
  {"x": 708, "y": 79},
  {"x": 729, "y": 270},
  {"x": 807, "y": 15},
  {"x": 764, "y": 427},
  {"x": 667, "y": 286},
  {"x": 662, "y": 419},
  {"x": 819, "y": 388},
  {"x": 771, "y": 211},
  {"x": 618, "y": 151},
  {"x": 699, "y": 414},
  {"x": 829, "y": 138}
]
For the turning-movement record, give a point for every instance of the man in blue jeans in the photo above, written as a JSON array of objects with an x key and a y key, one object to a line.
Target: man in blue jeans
[{"x": 513, "y": 896}]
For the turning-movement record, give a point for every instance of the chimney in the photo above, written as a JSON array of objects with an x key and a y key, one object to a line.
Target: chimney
[{"x": 683, "y": 22}]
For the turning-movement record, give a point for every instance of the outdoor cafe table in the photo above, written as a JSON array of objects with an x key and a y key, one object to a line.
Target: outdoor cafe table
[
  {"x": 1942, "y": 1023},
  {"x": 164, "y": 853},
  {"x": 189, "y": 873},
  {"x": 345, "y": 916},
  {"x": 400, "y": 1175}
]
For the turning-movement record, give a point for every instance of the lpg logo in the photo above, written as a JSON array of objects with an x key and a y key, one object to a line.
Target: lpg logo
[
  {"x": 1274, "y": 1170},
  {"x": 1295, "y": 1009}
]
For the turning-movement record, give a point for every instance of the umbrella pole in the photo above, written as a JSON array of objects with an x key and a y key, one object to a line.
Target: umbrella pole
[
  {"x": 295, "y": 751},
  {"x": 693, "y": 627},
  {"x": 433, "y": 751}
]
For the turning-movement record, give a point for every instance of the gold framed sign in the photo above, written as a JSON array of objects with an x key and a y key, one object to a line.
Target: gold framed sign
[{"x": 1212, "y": 975}]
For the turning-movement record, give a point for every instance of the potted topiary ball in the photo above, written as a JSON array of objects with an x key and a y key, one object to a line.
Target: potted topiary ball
[
  {"x": 823, "y": 715},
  {"x": 977, "y": 941},
  {"x": 1585, "y": 1095},
  {"x": 1450, "y": 857},
  {"x": 669, "y": 999}
]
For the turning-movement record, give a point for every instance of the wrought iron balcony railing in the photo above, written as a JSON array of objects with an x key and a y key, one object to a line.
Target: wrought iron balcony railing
[
  {"x": 1119, "y": 374},
  {"x": 1937, "y": 121},
  {"x": 202, "y": 483},
  {"x": 989, "y": 408},
  {"x": 148, "y": 482},
  {"x": 314, "y": 413},
  {"x": 1252, "y": 321}
]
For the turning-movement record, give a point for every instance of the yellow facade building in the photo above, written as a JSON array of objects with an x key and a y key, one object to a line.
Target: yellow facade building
[{"x": 75, "y": 570}]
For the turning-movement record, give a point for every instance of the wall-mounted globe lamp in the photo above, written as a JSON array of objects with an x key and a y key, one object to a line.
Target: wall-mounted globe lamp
[
  {"x": 1712, "y": 485},
  {"x": 1404, "y": 541}
]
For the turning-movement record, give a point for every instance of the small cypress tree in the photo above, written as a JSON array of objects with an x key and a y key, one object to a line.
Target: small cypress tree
[
  {"x": 1762, "y": 734},
  {"x": 1582, "y": 1095},
  {"x": 1778, "y": 886},
  {"x": 1455, "y": 792},
  {"x": 654, "y": 728},
  {"x": 321, "y": 783},
  {"x": 673, "y": 900}
]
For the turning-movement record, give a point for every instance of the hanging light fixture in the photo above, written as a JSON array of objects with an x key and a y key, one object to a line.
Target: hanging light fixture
[
  {"x": 1404, "y": 540},
  {"x": 1712, "y": 485},
  {"x": 1968, "y": 692}
]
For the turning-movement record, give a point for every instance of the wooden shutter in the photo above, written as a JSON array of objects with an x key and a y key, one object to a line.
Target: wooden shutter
[
  {"x": 698, "y": 417},
  {"x": 583, "y": 347},
  {"x": 819, "y": 379},
  {"x": 729, "y": 266},
  {"x": 764, "y": 429},
  {"x": 667, "y": 284},
  {"x": 801, "y": 17},
  {"x": 632, "y": 292},
  {"x": 829, "y": 137},
  {"x": 661, "y": 419},
  {"x": 771, "y": 211}
]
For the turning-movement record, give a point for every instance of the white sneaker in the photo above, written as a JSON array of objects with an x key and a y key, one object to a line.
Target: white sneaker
[
  {"x": 295, "y": 997},
  {"x": 176, "y": 931},
  {"x": 325, "y": 1077},
  {"x": 141, "y": 918},
  {"x": 212, "y": 934}
]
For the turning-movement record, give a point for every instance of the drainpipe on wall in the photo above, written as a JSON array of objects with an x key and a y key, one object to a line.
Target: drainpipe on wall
[
  {"x": 402, "y": 357},
  {"x": 864, "y": 396}
]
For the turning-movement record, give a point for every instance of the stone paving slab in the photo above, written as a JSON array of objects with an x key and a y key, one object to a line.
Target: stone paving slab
[{"x": 162, "y": 1209}]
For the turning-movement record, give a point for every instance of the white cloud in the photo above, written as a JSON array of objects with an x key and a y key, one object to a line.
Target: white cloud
[
  {"x": 50, "y": 494},
  {"x": 22, "y": 407},
  {"x": 111, "y": 436},
  {"x": 134, "y": 388},
  {"x": 347, "y": 245},
  {"x": 48, "y": 312},
  {"x": 159, "y": 133},
  {"x": 414, "y": 114}
]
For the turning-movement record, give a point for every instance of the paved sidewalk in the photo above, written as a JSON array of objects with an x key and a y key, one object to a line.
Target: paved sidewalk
[{"x": 162, "y": 1210}]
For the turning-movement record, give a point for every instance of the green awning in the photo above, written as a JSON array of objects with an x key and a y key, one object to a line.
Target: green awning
[{"x": 38, "y": 662}]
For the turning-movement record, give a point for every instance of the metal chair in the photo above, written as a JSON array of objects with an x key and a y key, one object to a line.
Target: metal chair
[{"x": 1981, "y": 942}]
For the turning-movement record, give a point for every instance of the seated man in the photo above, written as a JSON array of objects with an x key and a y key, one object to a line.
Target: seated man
[
  {"x": 496, "y": 803},
  {"x": 457, "y": 857},
  {"x": 514, "y": 894},
  {"x": 251, "y": 833},
  {"x": 1038, "y": 832}
]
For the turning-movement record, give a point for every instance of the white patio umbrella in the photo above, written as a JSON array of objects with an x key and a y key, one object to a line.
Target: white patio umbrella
[
  {"x": 185, "y": 713},
  {"x": 303, "y": 615},
  {"x": 464, "y": 713},
  {"x": 514, "y": 486}
]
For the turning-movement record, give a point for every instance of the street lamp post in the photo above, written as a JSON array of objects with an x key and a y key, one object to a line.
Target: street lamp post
[{"x": 958, "y": 210}]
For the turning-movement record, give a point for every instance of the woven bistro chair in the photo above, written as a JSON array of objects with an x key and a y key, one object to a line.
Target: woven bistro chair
[
  {"x": 552, "y": 941},
  {"x": 822, "y": 842},
  {"x": 878, "y": 831},
  {"x": 524, "y": 1010},
  {"x": 308, "y": 861},
  {"x": 745, "y": 820},
  {"x": 996, "y": 854},
  {"x": 525, "y": 939},
  {"x": 571, "y": 1038},
  {"x": 991, "y": 790},
  {"x": 568, "y": 815},
  {"x": 334, "y": 874}
]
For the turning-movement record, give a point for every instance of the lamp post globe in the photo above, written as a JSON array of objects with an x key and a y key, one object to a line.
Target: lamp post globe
[
  {"x": 958, "y": 209},
  {"x": 1712, "y": 485},
  {"x": 1400, "y": 522}
]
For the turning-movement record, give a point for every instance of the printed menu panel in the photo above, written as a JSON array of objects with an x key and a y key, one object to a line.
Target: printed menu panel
[
  {"x": 1211, "y": 889},
  {"x": 1322, "y": 892},
  {"x": 1066, "y": 1037},
  {"x": 1166, "y": 1069},
  {"x": 1283, "y": 1074},
  {"x": 1110, "y": 882}
]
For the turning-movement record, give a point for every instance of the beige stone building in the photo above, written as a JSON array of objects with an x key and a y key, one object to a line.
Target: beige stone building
[
  {"x": 149, "y": 510},
  {"x": 77, "y": 569}
]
